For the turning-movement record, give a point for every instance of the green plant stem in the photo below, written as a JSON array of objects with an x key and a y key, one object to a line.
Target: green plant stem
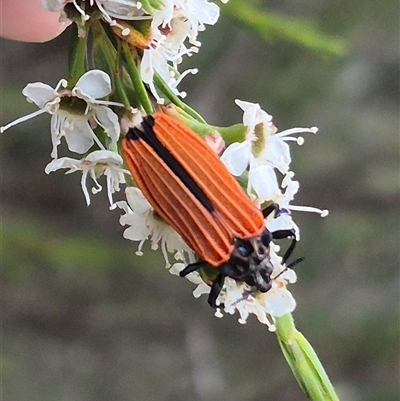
[
  {"x": 137, "y": 82},
  {"x": 303, "y": 361},
  {"x": 77, "y": 58},
  {"x": 163, "y": 86},
  {"x": 233, "y": 133},
  {"x": 109, "y": 58},
  {"x": 119, "y": 86}
]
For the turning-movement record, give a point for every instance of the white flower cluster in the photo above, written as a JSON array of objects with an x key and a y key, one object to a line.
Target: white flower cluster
[
  {"x": 92, "y": 129},
  {"x": 74, "y": 115},
  {"x": 110, "y": 10},
  {"x": 264, "y": 153},
  {"x": 173, "y": 22}
]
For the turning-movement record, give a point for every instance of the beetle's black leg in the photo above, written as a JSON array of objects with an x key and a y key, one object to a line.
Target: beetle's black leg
[
  {"x": 216, "y": 285},
  {"x": 273, "y": 207},
  {"x": 289, "y": 251},
  {"x": 215, "y": 290},
  {"x": 191, "y": 268},
  {"x": 281, "y": 234}
]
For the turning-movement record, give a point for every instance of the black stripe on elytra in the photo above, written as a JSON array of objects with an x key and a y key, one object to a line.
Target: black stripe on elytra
[{"x": 150, "y": 138}]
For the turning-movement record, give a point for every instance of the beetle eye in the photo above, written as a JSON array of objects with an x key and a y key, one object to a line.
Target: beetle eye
[
  {"x": 266, "y": 237},
  {"x": 245, "y": 249}
]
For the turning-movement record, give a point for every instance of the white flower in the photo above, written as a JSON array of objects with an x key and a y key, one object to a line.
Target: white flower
[
  {"x": 265, "y": 305},
  {"x": 196, "y": 12},
  {"x": 120, "y": 9},
  {"x": 173, "y": 21},
  {"x": 172, "y": 24},
  {"x": 263, "y": 151},
  {"x": 146, "y": 225},
  {"x": 284, "y": 220},
  {"x": 57, "y": 6},
  {"x": 237, "y": 296},
  {"x": 75, "y": 112},
  {"x": 194, "y": 277},
  {"x": 164, "y": 54},
  {"x": 97, "y": 163},
  {"x": 130, "y": 119}
]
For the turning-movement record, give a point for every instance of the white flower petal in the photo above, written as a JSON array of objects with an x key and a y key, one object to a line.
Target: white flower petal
[
  {"x": 279, "y": 301},
  {"x": 53, "y": 5},
  {"x": 104, "y": 156},
  {"x": 208, "y": 13},
  {"x": 278, "y": 154},
  {"x": 146, "y": 66},
  {"x": 122, "y": 9},
  {"x": 63, "y": 162},
  {"x": 39, "y": 93},
  {"x": 201, "y": 12},
  {"x": 201, "y": 289},
  {"x": 79, "y": 134},
  {"x": 289, "y": 275},
  {"x": 136, "y": 200},
  {"x": 282, "y": 222},
  {"x": 94, "y": 84},
  {"x": 108, "y": 120},
  {"x": 176, "y": 268},
  {"x": 124, "y": 206},
  {"x": 262, "y": 179},
  {"x": 253, "y": 114},
  {"x": 236, "y": 157},
  {"x": 136, "y": 232}
]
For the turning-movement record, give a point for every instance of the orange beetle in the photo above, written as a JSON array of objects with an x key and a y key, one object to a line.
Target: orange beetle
[{"x": 189, "y": 187}]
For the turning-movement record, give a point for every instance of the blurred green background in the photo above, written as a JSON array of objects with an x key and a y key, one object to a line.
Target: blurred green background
[{"x": 84, "y": 319}]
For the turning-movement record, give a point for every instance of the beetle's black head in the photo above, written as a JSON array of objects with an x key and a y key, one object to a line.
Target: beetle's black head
[{"x": 250, "y": 262}]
